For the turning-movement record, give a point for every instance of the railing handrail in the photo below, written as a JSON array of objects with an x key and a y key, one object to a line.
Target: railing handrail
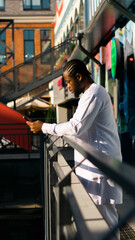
[
  {"x": 18, "y": 136},
  {"x": 120, "y": 172}
]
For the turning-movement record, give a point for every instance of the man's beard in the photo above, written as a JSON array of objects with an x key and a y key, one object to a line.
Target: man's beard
[{"x": 76, "y": 94}]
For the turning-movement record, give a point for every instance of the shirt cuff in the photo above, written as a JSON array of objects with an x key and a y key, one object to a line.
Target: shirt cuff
[{"x": 48, "y": 128}]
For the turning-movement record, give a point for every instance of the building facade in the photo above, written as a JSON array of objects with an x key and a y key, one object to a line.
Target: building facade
[
  {"x": 27, "y": 29},
  {"x": 108, "y": 36}
]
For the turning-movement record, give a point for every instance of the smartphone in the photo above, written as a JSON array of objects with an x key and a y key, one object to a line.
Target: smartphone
[{"x": 26, "y": 118}]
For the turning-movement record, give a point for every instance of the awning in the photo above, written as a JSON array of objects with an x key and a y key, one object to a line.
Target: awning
[
  {"x": 109, "y": 16},
  {"x": 27, "y": 102},
  {"x": 14, "y": 128}
]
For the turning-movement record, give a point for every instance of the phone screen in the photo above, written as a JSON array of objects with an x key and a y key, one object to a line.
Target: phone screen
[{"x": 26, "y": 118}]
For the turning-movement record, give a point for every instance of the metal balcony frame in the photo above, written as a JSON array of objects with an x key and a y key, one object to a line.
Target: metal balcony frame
[
  {"x": 122, "y": 9},
  {"x": 58, "y": 188},
  {"x": 35, "y": 83},
  {"x": 10, "y": 52}
]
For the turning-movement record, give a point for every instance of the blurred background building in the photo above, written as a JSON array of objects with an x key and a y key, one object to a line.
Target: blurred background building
[
  {"x": 38, "y": 37},
  {"x": 108, "y": 36},
  {"x": 27, "y": 29}
]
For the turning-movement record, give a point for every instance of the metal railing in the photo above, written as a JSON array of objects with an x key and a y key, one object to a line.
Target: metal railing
[
  {"x": 17, "y": 137},
  {"x": 69, "y": 213},
  {"x": 35, "y": 72}
]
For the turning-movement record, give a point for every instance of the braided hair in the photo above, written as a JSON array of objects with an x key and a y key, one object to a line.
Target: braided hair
[{"x": 76, "y": 66}]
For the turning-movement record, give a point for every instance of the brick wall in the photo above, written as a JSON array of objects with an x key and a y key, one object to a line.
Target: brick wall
[
  {"x": 15, "y": 8},
  {"x": 19, "y": 46},
  {"x": 30, "y": 20},
  {"x": 19, "y": 40}
]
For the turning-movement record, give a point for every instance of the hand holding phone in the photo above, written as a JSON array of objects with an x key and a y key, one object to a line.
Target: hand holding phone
[{"x": 36, "y": 126}]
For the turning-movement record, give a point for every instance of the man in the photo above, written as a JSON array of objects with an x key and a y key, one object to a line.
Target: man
[{"x": 94, "y": 123}]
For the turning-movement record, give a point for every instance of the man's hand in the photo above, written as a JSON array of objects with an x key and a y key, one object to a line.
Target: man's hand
[{"x": 36, "y": 126}]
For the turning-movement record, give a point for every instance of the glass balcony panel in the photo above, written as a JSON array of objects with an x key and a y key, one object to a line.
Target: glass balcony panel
[
  {"x": 6, "y": 84},
  {"x": 24, "y": 75},
  {"x": 43, "y": 66}
]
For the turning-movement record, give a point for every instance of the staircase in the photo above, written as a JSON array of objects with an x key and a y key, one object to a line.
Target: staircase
[{"x": 35, "y": 73}]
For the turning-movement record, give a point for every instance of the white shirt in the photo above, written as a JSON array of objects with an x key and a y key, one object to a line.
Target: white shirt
[{"x": 94, "y": 123}]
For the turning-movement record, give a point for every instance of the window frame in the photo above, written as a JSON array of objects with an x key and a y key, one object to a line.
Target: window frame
[
  {"x": 2, "y": 7},
  {"x": 41, "y": 40},
  {"x": 49, "y": 40},
  {"x": 36, "y": 9},
  {"x": 29, "y": 40},
  {"x": 3, "y": 39}
]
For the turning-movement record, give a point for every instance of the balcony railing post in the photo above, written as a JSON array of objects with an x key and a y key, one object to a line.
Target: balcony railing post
[
  {"x": 66, "y": 217},
  {"x": 50, "y": 180},
  {"x": 46, "y": 190},
  {"x": 63, "y": 216}
]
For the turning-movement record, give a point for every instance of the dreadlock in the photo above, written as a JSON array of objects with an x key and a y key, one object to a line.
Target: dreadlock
[{"x": 76, "y": 66}]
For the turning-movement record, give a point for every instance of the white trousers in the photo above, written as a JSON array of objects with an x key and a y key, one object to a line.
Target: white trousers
[{"x": 109, "y": 212}]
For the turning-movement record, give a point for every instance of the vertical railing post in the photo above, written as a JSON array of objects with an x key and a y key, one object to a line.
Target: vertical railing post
[
  {"x": 49, "y": 179},
  {"x": 13, "y": 46},
  {"x": 52, "y": 208},
  {"x": 63, "y": 217},
  {"x": 42, "y": 164},
  {"x": 46, "y": 191},
  {"x": 45, "y": 196},
  {"x": 29, "y": 142}
]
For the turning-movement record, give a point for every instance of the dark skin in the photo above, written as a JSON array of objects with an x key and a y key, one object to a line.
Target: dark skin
[{"x": 76, "y": 85}]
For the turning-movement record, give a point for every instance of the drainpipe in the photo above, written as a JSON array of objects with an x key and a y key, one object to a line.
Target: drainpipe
[{"x": 79, "y": 37}]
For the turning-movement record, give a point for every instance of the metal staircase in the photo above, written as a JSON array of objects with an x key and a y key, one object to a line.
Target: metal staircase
[{"x": 35, "y": 73}]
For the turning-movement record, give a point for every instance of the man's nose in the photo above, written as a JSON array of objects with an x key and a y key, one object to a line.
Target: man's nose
[{"x": 68, "y": 85}]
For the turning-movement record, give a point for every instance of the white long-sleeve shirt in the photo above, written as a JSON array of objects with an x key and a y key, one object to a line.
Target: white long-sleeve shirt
[{"x": 94, "y": 123}]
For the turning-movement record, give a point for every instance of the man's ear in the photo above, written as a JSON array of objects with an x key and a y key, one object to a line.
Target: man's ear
[{"x": 79, "y": 76}]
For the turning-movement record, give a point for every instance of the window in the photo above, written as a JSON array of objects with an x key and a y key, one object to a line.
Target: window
[
  {"x": 45, "y": 45},
  {"x": 45, "y": 40},
  {"x": 36, "y": 4},
  {"x": 28, "y": 44},
  {"x": 76, "y": 24},
  {"x": 2, "y": 47},
  {"x": 81, "y": 16},
  {"x": 67, "y": 33},
  {"x": 71, "y": 34},
  {"x": 2, "y": 4}
]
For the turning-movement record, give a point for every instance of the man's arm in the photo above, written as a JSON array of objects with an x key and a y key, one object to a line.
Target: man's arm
[{"x": 81, "y": 121}]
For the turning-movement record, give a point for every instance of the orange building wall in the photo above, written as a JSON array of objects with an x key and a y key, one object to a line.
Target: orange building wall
[
  {"x": 19, "y": 40},
  {"x": 19, "y": 46},
  {"x": 37, "y": 42},
  {"x": 52, "y": 37}
]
